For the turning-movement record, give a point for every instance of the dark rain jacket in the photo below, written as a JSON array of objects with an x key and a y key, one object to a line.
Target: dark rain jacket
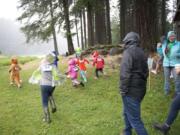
[{"x": 133, "y": 68}]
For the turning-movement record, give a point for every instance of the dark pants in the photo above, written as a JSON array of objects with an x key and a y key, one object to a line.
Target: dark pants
[
  {"x": 132, "y": 116},
  {"x": 46, "y": 92},
  {"x": 98, "y": 70},
  {"x": 174, "y": 110}
]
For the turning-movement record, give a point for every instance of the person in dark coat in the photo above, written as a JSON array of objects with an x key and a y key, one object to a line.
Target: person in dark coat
[
  {"x": 133, "y": 78},
  {"x": 172, "y": 115}
]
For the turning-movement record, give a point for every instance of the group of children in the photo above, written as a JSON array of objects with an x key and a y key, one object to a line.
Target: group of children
[
  {"x": 48, "y": 76},
  {"x": 75, "y": 65},
  {"x": 79, "y": 64}
]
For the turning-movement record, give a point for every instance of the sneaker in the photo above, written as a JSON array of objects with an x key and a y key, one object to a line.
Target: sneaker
[
  {"x": 11, "y": 83},
  {"x": 19, "y": 86},
  {"x": 154, "y": 72},
  {"x": 163, "y": 128}
]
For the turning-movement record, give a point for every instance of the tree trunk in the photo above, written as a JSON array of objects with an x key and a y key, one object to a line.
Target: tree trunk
[
  {"x": 53, "y": 29},
  {"x": 76, "y": 23},
  {"x": 146, "y": 26},
  {"x": 77, "y": 30},
  {"x": 84, "y": 22},
  {"x": 68, "y": 29},
  {"x": 163, "y": 17},
  {"x": 82, "y": 41},
  {"x": 109, "y": 37},
  {"x": 122, "y": 19},
  {"x": 100, "y": 25},
  {"x": 90, "y": 26}
]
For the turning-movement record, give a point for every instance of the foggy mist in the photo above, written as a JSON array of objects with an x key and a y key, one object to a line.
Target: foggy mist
[{"x": 13, "y": 41}]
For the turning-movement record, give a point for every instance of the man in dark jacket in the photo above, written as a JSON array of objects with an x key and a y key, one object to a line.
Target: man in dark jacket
[{"x": 133, "y": 78}]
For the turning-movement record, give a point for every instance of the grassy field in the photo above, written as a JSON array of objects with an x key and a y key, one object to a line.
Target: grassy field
[
  {"x": 93, "y": 110},
  {"x": 5, "y": 61}
]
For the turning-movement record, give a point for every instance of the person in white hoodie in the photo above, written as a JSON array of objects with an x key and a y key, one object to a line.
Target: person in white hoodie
[{"x": 48, "y": 77}]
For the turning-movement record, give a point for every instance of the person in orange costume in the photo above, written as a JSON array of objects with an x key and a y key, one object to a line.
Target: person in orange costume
[
  {"x": 81, "y": 63},
  {"x": 14, "y": 72}
]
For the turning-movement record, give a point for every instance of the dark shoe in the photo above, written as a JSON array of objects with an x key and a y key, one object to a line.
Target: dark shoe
[
  {"x": 53, "y": 110},
  {"x": 75, "y": 86},
  {"x": 46, "y": 115},
  {"x": 162, "y": 127},
  {"x": 82, "y": 84}
]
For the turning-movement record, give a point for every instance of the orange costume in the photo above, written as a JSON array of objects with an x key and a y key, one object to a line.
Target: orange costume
[
  {"x": 14, "y": 72},
  {"x": 82, "y": 64}
]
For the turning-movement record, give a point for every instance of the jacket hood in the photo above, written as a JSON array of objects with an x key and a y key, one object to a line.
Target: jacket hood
[
  {"x": 72, "y": 62},
  {"x": 170, "y": 33},
  {"x": 50, "y": 58},
  {"x": 131, "y": 39}
]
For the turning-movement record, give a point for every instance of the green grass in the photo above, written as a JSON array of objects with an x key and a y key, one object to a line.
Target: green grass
[
  {"x": 93, "y": 110},
  {"x": 6, "y": 61}
]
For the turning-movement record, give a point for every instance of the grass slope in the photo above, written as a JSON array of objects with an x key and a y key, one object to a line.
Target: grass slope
[{"x": 93, "y": 110}]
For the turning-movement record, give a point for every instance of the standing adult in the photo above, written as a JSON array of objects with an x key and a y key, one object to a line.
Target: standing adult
[
  {"x": 172, "y": 115},
  {"x": 170, "y": 51},
  {"x": 133, "y": 78}
]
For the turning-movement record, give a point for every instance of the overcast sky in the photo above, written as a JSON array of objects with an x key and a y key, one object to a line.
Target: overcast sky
[{"x": 8, "y": 9}]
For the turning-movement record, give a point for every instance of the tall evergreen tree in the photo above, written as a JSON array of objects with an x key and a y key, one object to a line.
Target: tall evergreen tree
[
  {"x": 39, "y": 20},
  {"x": 108, "y": 23},
  {"x": 67, "y": 25}
]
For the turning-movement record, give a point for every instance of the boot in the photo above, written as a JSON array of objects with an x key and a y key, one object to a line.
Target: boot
[
  {"x": 46, "y": 115},
  {"x": 53, "y": 105},
  {"x": 164, "y": 128}
]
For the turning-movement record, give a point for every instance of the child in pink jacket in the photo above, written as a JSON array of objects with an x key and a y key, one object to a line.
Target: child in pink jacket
[{"x": 73, "y": 72}]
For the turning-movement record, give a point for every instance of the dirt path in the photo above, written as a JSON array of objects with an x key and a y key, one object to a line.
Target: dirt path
[{"x": 31, "y": 64}]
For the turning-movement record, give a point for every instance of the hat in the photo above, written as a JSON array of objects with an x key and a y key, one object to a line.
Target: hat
[
  {"x": 171, "y": 33},
  {"x": 72, "y": 62},
  {"x": 95, "y": 54}
]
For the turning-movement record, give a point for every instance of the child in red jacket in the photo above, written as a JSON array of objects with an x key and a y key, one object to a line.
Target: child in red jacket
[{"x": 98, "y": 62}]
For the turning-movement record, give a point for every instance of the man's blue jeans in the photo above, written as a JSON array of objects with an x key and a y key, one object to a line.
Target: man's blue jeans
[
  {"x": 167, "y": 73},
  {"x": 174, "y": 110},
  {"x": 132, "y": 116}
]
